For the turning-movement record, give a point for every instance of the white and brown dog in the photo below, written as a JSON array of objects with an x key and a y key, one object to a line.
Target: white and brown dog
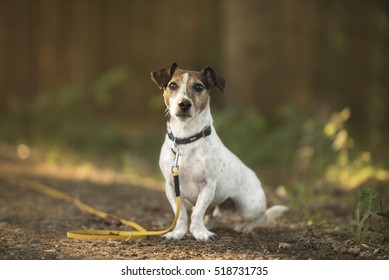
[{"x": 209, "y": 172}]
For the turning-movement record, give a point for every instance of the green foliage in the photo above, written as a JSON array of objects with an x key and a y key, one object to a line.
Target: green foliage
[
  {"x": 302, "y": 198},
  {"x": 315, "y": 148},
  {"x": 384, "y": 214},
  {"x": 69, "y": 117},
  {"x": 318, "y": 150},
  {"x": 363, "y": 213},
  {"x": 255, "y": 140},
  {"x": 102, "y": 89},
  {"x": 351, "y": 168}
]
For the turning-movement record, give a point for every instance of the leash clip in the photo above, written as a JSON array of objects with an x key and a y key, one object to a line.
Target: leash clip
[{"x": 176, "y": 151}]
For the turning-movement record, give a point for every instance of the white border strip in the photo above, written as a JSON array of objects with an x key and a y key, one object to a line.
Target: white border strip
[{"x": 188, "y": 270}]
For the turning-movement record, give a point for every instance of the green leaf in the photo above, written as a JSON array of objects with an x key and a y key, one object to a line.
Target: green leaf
[{"x": 384, "y": 214}]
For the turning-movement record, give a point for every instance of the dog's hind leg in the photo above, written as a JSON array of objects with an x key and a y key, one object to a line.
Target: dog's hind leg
[
  {"x": 251, "y": 207},
  {"x": 250, "y": 224},
  {"x": 267, "y": 217},
  {"x": 210, "y": 219}
]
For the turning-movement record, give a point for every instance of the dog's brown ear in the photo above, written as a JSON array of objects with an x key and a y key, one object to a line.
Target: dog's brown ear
[
  {"x": 163, "y": 76},
  {"x": 214, "y": 78}
]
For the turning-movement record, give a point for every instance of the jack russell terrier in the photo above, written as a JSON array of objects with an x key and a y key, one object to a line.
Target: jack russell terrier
[{"x": 209, "y": 172}]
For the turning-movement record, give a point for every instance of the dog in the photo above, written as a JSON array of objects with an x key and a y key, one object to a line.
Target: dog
[{"x": 209, "y": 173}]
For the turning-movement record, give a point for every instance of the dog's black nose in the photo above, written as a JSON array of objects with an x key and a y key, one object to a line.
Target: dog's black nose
[{"x": 184, "y": 105}]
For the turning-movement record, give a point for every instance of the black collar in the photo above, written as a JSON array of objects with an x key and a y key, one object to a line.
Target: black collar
[{"x": 179, "y": 141}]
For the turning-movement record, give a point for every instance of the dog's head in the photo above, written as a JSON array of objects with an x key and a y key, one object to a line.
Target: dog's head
[{"x": 186, "y": 93}]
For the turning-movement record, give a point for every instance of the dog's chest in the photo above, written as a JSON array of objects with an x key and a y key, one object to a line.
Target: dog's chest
[{"x": 199, "y": 163}]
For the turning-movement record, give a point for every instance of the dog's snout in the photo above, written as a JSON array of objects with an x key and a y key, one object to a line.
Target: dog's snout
[{"x": 184, "y": 105}]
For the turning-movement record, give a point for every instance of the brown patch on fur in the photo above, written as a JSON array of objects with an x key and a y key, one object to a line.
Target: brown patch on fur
[
  {"x": 166, "y": 98},
  {"x": 200, "y": 100}
]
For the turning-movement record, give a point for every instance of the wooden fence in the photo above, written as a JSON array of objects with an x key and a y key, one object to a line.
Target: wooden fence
[{"x": 309, "y": 54}]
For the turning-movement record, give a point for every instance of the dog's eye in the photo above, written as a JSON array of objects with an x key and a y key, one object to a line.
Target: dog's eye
[
  {"x": 198, "y": 87},
  {"x": 173, "y": 86}
]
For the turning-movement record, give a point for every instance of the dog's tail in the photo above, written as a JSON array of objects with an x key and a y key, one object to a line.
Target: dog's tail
[{"x": 274, "y": 212}]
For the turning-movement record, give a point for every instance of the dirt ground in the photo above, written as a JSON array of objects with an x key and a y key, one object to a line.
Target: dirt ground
[{"x": 34, "y": 226}]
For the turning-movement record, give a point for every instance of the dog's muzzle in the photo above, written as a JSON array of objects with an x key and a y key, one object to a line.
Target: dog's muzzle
[{"x": 184, "y": 105}]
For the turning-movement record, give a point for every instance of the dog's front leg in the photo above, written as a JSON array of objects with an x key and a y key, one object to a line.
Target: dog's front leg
[
  {"x": 197, "y": 227},
  {"x": 181, "y": 227}
]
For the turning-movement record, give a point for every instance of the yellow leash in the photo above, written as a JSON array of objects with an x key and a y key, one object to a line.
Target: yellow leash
[{"x": 140, "y": 232}]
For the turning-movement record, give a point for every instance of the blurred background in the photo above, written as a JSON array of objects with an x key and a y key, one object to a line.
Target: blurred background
[{"x": 306, "y": 100}]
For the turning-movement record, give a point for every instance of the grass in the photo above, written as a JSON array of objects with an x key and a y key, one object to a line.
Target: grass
[
  {"x": 363, "y": 214},
  {"x": 305, "y": 202}
]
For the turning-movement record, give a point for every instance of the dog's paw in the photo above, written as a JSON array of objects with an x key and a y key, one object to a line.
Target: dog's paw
[
  {"x": 174, "y": 235},
  {"x": 204, "y": 235},
  {"x": 239, "y": 228},
  {"x": 243, "y": 227}
]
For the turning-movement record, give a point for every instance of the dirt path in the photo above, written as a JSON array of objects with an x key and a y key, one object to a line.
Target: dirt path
[{"x": 34, "y": 226}]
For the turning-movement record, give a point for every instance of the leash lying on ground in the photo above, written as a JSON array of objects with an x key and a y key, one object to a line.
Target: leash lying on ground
[{"x": 140, "y": 232}]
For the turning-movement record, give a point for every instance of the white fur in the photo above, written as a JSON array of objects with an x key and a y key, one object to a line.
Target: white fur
[{"x": 209, "y": 174}]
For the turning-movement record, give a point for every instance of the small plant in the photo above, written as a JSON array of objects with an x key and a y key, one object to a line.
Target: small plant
[
  {"x": 364, "y": 212},
  {"x": 304, "y": 199},
  {"x": 299, "y": 196}
]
